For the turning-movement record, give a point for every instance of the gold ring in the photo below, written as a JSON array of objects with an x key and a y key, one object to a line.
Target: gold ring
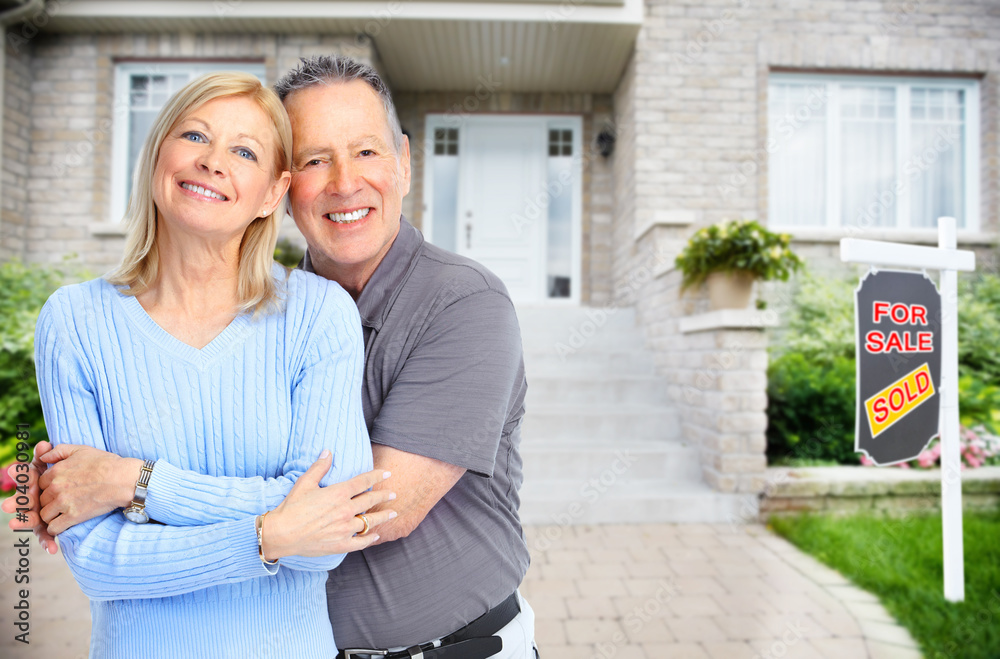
[{"x": 364, "y": 518}]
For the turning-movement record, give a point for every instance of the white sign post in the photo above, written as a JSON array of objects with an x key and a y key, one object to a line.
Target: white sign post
[{"x": 949, "y": 260}]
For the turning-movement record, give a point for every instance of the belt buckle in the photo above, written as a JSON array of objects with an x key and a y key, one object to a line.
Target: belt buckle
[{"x": 352, "y": 653}]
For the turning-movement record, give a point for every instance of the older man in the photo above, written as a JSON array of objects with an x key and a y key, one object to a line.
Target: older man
[{"x": 443, "y": 389}]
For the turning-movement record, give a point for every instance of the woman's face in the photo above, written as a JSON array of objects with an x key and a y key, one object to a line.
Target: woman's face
[{"x": 215, "y": 171}]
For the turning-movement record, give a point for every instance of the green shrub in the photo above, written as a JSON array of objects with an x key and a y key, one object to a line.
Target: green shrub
[
  {"x": 979, "y": 327},
  {"x": 23, "y": 291},
  {"x": 288, "y": 253},
  {"x": 811, "y": 409}
]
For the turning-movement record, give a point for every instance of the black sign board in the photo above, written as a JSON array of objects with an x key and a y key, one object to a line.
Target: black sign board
[{"x": 898, "y": 321}]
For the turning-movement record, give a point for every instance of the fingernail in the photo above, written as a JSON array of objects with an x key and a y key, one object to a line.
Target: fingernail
[
  {"x": 393, "y": 515},
  {"x": 386, "y": 474},
  {"x": 325, "y": 454},
  {"x": 45, "y": 546},
  {"x": 374, "y": 538},
  {"x": 392, "y": 496}
]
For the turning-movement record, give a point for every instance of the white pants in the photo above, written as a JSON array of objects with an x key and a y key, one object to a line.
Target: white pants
[{"x": 518, "y": 635}]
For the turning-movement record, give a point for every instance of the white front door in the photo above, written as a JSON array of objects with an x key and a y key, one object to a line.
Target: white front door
[
  {"x": 502, "y": 182},
  {"x": 501, "y": 192}
]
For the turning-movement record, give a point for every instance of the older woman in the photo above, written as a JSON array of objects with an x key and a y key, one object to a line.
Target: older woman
[{"x": 218, "y": 377}]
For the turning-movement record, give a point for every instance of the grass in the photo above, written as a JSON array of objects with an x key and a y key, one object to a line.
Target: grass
[{"x": 899, "y": 561}]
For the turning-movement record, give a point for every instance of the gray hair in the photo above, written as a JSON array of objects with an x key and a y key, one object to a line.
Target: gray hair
[{"x": 326, "y": 69}]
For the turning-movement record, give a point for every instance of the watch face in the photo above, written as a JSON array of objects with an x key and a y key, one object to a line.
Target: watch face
[{"x": 136, "y": 515}]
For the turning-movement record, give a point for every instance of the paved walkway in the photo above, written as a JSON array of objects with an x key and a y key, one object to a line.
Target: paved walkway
[{"x": 629, "y": 592}]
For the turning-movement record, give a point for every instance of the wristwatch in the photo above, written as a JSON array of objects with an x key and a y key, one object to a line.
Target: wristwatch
[{"x": 136, "y": 512}]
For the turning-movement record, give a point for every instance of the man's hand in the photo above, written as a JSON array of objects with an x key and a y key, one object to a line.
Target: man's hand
[
  {"x": 82, "y": 482},
  {"x": 31, "y": 519},
  {"x": 421, "y": 482},
  {"x": 319, "y": 521}
]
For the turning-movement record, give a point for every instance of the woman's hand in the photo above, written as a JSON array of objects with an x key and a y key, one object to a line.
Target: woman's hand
[
  {"x": 32, "y": 519},
  {"x": 82, "y": 482},
  {"x": 319, "y": 521}
]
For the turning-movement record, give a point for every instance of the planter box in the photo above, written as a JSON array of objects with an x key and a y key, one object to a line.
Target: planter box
[{"x": 846, "y": 490}]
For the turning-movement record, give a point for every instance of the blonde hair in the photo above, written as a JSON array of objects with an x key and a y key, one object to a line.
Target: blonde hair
[{"x": 256, "y": 287}]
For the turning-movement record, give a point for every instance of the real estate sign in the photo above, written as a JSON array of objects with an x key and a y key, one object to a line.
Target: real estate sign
[{"x": 898, "y": 320}]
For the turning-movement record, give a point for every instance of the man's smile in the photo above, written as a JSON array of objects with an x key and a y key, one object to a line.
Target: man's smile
[{"x": 349, "y": 217}]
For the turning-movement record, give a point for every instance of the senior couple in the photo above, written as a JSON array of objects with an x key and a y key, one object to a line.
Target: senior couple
[{"x": 210, "y": 411}]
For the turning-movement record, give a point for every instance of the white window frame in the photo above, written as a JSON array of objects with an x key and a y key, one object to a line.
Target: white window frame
[
  {"x": 121, "y": 114},
  {"x": 903, "y": 84},
  {"x": 543, "y": 123}
]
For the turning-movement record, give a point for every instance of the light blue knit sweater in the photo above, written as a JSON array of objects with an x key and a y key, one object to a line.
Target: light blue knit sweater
[{"x": 231, "y": 426}]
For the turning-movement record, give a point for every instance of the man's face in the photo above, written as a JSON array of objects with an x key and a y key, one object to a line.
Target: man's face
[{"x": 348, "y": 181}]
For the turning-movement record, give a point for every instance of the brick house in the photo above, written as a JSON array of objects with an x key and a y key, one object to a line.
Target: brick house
[{"x": 573, "y": 147}]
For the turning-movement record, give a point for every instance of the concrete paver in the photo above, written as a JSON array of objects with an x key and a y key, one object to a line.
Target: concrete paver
[
  {"x": 704, "y": 591},
  {"x": 600, "y": 592}
]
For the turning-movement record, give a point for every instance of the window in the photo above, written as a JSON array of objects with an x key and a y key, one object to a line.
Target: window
[
  {"x": 141, "y": 90},
  {"x": 872, "y": 151},
  {"x": 444, "y": 166},
  {"x": 559, "y": 260},
  {"x": 446, "y": 141}
]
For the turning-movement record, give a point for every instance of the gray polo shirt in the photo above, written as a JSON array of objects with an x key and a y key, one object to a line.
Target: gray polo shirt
[{"x": 444, "y": 378}]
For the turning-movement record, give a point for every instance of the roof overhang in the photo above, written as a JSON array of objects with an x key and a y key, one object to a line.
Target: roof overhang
[{"x": 526, "y": 46}]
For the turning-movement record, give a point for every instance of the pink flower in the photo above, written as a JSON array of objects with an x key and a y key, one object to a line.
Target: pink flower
[
  {"x": 866, "y": 461},
  {"x": 903, "y": 465},
  {"x": 927, "y": 459}
]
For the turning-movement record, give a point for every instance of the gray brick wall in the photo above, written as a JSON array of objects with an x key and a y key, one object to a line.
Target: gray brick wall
[{"x": 16, "y": 140}]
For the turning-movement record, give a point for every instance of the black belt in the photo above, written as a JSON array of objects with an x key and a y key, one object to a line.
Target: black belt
[{"x": 474, "y": 641}]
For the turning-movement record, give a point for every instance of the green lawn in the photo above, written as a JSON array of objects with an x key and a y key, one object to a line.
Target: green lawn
[{"x": 899, "y": 560}]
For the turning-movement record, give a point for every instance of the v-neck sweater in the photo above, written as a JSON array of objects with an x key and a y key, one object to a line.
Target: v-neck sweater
[{"x": 231, "y": 426}]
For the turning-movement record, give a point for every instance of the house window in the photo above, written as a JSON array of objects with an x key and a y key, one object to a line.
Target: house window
[
  {"x": 141, "y": 90},
  {"x": 446, "y": 141},
  {"x": 560, "y": 142},
  {"x": 853, "y": 151},
  {"x": 444, "y": 164},
  {"x": 559, "y": 244}
]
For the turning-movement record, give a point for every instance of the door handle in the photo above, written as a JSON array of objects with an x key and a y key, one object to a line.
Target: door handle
[{"x": 468, "y": 235}]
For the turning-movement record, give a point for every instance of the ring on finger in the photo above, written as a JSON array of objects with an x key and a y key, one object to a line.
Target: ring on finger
[{"x": 364, "y": 518}]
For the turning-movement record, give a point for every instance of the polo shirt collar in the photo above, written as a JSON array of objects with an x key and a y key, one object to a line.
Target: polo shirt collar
[{"x": 388, "y": 277}]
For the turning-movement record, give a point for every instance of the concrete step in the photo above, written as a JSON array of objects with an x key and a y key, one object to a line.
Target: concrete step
[
  {"x": 565, "y": 502},
  {"x": 588, "y": 390},
  {"x": 633, "y": 460},
  {"x": 601, "y": 422}
]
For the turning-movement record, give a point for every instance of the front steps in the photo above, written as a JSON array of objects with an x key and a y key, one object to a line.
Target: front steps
[{"x": 601, "y": 440}]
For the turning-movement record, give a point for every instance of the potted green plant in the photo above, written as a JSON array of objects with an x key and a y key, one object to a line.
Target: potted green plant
[{"x": 730, "y": 256}]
